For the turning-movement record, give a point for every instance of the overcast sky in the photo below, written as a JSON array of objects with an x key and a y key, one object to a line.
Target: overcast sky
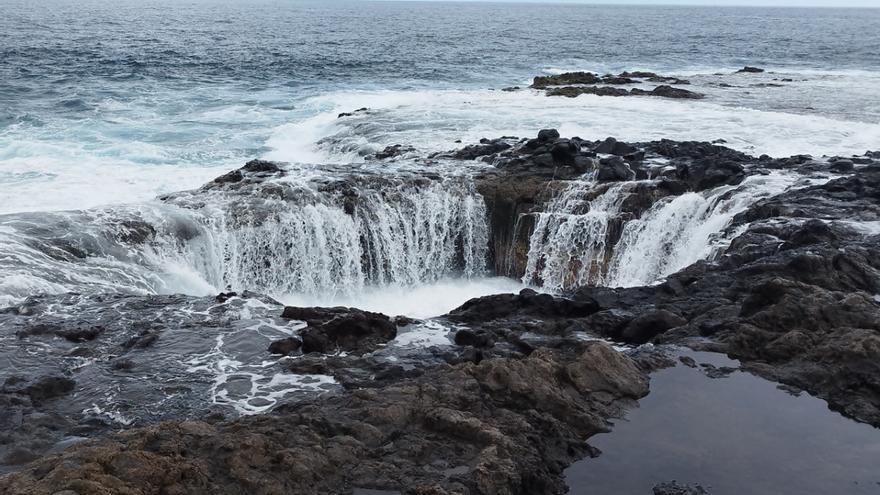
[{"x": 762, "y": 3}]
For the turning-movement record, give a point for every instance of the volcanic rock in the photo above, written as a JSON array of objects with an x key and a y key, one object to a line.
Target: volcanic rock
[{"x": 346, "y": 329}]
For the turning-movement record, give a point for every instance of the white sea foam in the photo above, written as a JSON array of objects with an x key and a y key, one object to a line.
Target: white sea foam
[
  {"x": 417, "y": 301},
  {"x": 679, "y": 231},
  {"x": 435, "y": 120}
]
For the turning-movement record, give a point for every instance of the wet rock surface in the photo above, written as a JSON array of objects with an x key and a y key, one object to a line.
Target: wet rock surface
[
  {"x": 527, "y": 173},
  {"x": 501, "y": 426},
  {"x": 346, "y": 329},
  {"x": 503, "y": 406},
  {"x": 794, "y": 296},
  {"x": 574, "y": 84}
]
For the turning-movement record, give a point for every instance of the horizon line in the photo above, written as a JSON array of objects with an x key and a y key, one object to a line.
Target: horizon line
[{"x": 636, "y": 3}]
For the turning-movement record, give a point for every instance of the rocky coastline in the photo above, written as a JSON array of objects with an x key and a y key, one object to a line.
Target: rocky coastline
[{"x": 527, "y": 378}]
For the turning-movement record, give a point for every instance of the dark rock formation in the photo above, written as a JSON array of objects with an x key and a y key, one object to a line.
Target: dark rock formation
[
  {"x": 663, "y": 91},
  {"x": 575, "y": 91},
  {"x": 529, "y": 172},
  {"x": 667, "y": 91},
  {"x": 392, "y": 151},
  {"x": 285, "y": 346},
  {"x": 676, "y": 488},
  {"x": 542, "y": 82},
  {"x": 356, "y": 112},
  {"x": 588, "y": 78},
  {"x": 500, "y": 426},
  {"x": 254, "y": 169},
  {"x": 750, "y": 70},
  {"x": 486, "y": 147},
  {"x": 614, "y": 169},
  {"x": 573, "y": 84},
  {"x": 346, "y": 329},
  {"x": 612, "y": 146},
  {"x": 794, "y": 297}
]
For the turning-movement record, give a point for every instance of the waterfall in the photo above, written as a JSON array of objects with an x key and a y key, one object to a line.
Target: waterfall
[
  {"x": 400, "y": 233},
  {"x": 573, "y": 244},
  {"x": 679, "y": 231},
  {"x": 403, "y": 235},
  {"x": 569, "y": 244}
]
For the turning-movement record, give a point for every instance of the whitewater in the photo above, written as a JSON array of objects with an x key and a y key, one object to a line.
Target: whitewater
[{"x": 99, "y": 127}]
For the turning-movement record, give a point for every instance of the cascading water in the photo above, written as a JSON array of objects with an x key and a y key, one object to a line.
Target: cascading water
[
  {"x": 571, "y": 245},
  {"x": 679, "y": 231},
  {"x": 405, "y": 235}
]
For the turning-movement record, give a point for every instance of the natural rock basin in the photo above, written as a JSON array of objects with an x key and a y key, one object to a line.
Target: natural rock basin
[
  {"x": 423, "y": 301},
  {"x": 727, "y": 433}
]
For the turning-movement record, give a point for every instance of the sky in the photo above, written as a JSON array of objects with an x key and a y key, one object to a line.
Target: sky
[{"x": 761, "y": 3}]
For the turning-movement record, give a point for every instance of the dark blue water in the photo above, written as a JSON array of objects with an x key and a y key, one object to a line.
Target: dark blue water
[{"x": 261, "y": 43}]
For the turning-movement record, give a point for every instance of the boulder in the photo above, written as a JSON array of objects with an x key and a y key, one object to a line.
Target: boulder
[
  {"x": 612, "y": 146},
  {"x": 547, "y": 135},
  {"x": 285, "y": 346},
  {"x": 568, "y": 78},
  {"x": 614, "y": 169},
  {"x": 649, "y": 324},
  {"x": 344, "y": 329}
]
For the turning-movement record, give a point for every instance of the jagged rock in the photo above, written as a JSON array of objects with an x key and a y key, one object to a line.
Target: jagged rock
[
  {"x": 666, "y": 91},
  {"x": 225, "y": 296},
  {"x": 511, "y": 425},
  {"x": 486, "y": 147},
  {"x": 350, "y": 114},
  {"x": 564, "y": 152},
  {"x": 612, "y": 146},
  {"x": 542, "y": 82},
  {"x": 614, "y": 169},
  {"x": 392, "y": 151},
  {"x": 751, "y": 70},
  {"x": 473, "y": 339},
  {"x": 346, "y": 329},
  {"x": 842, "y": 166},
  {"x": 676, "y": 488},
  {"x": 575, "y": 91},
  {"x": 254, "y": 170},
  {"x": 545, "y": 135},
  {"x": 648, "y": 325},
  {"x": 285, "y": 346}
]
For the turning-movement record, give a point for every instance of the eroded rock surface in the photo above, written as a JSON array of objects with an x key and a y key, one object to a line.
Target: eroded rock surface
[{"x": 501, "y": 426}]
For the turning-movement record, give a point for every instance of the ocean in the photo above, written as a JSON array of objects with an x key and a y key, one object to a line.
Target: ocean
[
  {"x": 147, "y": 272},
  {"x": 117, "y": 102}
]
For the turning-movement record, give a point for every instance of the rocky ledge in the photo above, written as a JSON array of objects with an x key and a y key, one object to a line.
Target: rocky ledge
[
  {"x": 506, "y": 425},
  {"x": 795, "y": 297}
]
